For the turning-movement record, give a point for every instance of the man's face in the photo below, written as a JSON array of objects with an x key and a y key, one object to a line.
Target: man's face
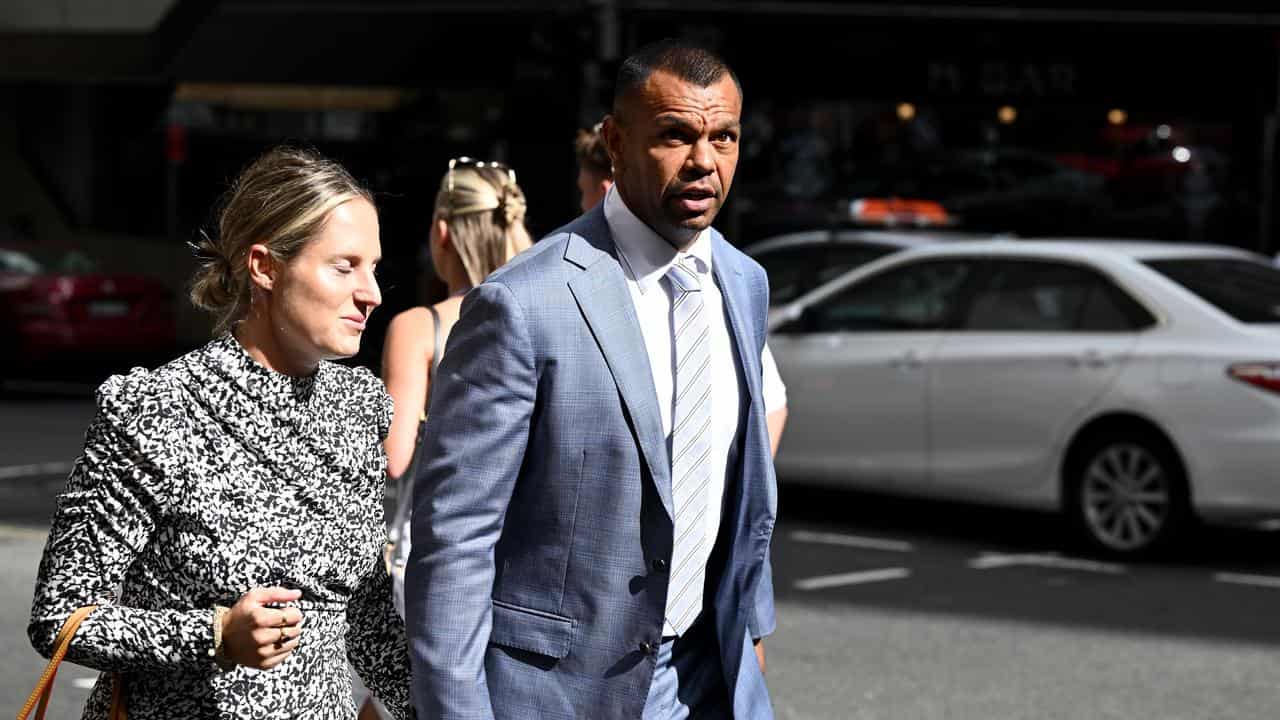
[{"x": 674, "y": 147}]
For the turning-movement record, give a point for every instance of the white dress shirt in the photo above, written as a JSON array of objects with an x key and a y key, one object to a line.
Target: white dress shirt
[{"x": 645, "y": 259}]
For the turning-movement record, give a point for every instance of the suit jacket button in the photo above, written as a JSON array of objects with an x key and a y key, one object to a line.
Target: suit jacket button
[
  {"x": 648, "y": 648},
  {"x": 659, "y": 565}
]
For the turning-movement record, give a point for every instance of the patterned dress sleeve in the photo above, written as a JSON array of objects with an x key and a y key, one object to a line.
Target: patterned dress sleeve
[
  {"x": 104, "y": 519},
  {"x": 376, "y": 641}
]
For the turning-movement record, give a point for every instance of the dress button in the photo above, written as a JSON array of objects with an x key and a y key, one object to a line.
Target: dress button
[{"x": 659, "y": 565}]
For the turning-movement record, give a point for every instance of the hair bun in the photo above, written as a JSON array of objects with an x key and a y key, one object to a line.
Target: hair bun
[{"x": 511, "y": 205}]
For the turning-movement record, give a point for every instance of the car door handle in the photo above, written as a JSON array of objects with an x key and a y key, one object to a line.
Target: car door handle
[
  {"x": 909, "y": 360},
  {"x": 1091, "y": 359}
]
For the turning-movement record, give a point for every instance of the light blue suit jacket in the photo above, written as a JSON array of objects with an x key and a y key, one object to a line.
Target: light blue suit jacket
[{"x": 542, "y": 521}]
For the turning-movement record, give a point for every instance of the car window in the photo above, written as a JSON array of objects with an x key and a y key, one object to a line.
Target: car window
[
  {"x": 919, "y": 296},
  {"x": 1107, "y": 308},
  {"x": 1246, "y": 290},
  {"x": 838, "y": 260},
  {"x": 1039, "y": 296},
  {"x": 790, "y": 272}
]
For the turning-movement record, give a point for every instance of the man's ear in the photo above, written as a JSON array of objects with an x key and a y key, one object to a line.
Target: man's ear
[
  {"x": 262, "y": 267},
  {"x": 611, "y": 132}
]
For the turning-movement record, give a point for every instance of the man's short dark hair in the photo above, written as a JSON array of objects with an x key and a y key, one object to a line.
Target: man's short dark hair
[{"x": 688, "y": 61}]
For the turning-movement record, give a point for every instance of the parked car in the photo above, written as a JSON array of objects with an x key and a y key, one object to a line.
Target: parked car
[
  {"x": 61, "y": 310},
  {"x": 799, "y": 262},
  {"x": 1130, "y": 385}
]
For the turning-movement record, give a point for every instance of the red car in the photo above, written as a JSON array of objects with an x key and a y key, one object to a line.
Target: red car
[{"x": 59, "y": 308}]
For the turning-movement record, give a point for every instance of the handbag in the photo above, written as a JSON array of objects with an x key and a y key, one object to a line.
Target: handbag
[
  {"x": 39, "y": 699},
  {"x": 404, "y": 488}
]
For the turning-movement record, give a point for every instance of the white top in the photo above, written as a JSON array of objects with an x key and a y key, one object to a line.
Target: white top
[
  {"x": 775, "y": 392},
  {"x": 645, "y": 259}
]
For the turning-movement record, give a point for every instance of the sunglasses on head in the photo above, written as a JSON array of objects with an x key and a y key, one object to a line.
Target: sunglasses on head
[{"x": 469, "y": 162}]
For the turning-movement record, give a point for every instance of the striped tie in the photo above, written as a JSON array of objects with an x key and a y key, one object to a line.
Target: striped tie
[{"x": 690, "y": 444}]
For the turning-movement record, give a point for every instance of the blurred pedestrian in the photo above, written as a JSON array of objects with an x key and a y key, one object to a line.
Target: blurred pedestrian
[
  {"x": 1198, "y": 198},
  {"x": 595, "y": 171},
  {"x": 226, "y": 518},
  {"x": 596, "y": 430},
  {"x": 476, "y": 227}
]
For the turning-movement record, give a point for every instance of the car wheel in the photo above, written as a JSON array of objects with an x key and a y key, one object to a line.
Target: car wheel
[{"x": 1128, "y": 495}]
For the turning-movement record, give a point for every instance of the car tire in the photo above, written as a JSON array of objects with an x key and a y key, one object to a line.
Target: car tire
[{"x": 1126, "y": 494}]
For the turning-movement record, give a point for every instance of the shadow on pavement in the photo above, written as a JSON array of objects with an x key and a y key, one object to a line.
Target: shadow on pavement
[{"x": 1177, "y": 594}]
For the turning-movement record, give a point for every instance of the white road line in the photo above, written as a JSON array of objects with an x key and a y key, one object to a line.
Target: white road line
[
  {"x": 853, "y": 578},
  {"x": 21, "y": 532},
  {"x": 988, "y": 561},
  {"x": 84, "y": 683},
  {"x": 17, "y": 472},
  {"x": 1269, "y": 581},
  {"x": 856, "y": 541}
]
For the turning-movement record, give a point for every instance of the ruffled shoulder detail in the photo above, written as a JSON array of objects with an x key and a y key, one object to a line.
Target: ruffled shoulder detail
[
  {"x": 367, "y": 396},
  {"x": 144, "y": 402},
  {"x": 141, "y": 420}
]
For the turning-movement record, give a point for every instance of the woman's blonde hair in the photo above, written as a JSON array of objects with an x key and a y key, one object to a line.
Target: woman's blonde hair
[
  {"x": 281, "y": 200},
  {"x": 484, "y": 209}
]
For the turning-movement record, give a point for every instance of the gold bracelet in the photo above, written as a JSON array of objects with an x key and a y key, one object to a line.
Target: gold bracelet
[{"x": 215, "y": 652}]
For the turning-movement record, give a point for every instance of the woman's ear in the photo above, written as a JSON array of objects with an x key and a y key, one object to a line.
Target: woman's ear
[
  {"x": 442, "y": 234},
  {"x": 262, "y": 267}
]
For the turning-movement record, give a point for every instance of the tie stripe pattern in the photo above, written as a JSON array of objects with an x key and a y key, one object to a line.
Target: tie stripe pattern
[{"x": 690, "y": 444}]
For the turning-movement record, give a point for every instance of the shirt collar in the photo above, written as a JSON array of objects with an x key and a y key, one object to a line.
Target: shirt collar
[{"x": 645, "y": 256}]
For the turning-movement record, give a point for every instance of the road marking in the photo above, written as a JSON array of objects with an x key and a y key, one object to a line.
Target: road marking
[
  {"x": 866, "y": 543},
  {"x": 1269, "y": 581},
  {"x": 20, "y": 532},
  {"x": 84, "y": 683},
  {"x": 18, "y": 472},
  {"x": 853, "y": 578},
  {"x": 988, "y": 561}
]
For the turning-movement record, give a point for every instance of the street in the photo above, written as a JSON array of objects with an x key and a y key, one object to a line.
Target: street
[{"x": 887, "y": 608}]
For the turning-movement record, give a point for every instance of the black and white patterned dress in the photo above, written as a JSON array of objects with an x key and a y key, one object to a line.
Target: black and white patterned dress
[{"x": 201, "y": 480}]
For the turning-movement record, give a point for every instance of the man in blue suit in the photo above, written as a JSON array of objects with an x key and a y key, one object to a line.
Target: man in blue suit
[{"x": 591, "y": 528}]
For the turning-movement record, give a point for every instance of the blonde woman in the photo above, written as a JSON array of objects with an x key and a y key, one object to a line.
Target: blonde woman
[
  {"x": 477, "y": 226},
  {"x": 225, "y": 517}
]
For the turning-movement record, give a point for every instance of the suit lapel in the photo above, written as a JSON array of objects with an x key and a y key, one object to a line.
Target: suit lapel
[
  {"x": 734, "y": 291},
  {"x": 605, "y": 303}
]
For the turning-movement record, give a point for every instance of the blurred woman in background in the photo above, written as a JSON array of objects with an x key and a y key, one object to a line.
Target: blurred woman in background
[{"x": 477, "y": 226}]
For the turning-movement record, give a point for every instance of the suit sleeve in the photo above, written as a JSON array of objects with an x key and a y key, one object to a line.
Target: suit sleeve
[
  {"x": 474, "y": 445},
  {"x": 763, "y": 620}
]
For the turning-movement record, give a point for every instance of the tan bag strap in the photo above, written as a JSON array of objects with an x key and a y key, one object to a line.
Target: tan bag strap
[{"x": 44, "y": 688}]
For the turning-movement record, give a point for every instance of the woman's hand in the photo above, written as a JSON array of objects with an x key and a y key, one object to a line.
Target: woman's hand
[{"x": 258, "y": 636}]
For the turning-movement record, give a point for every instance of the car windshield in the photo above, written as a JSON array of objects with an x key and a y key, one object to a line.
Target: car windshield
[
  {"x": 1246, "y": 290},
  {"x": 55, "y": 262}
]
